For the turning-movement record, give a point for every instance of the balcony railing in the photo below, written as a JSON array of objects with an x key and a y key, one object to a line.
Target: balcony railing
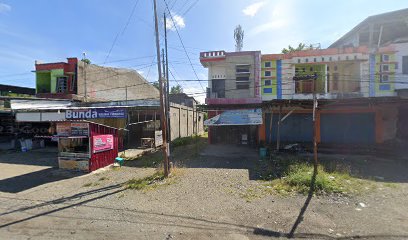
[{"x": 212, "y": 54}]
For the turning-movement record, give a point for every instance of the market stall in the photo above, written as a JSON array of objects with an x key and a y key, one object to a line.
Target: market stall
[{"x": 86, "y": 146}]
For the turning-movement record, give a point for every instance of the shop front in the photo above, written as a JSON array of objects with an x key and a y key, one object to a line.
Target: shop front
[
  {"x": 235, "y": 127},
  {"x": 86, "y": 146}
]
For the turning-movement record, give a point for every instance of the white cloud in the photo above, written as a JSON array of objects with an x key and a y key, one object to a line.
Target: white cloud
[
  {"x": 274, "y": 24},
  {"x": 4, "y": 8},
  {"x": 178, "y": 20},
  {"x": 253, "y": 9},
  {"x": 281, "y": 17}
]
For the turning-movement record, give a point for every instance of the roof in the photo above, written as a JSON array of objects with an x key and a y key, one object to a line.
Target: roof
[
  {"x": 38, "y": 104},
  {"x": 181, "y": 95},
  {"x": 17, "y": 89},
  {"x": 394, "y": 16}
]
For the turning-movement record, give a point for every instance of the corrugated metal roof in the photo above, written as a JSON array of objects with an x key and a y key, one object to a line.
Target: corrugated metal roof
[{"x": 20, "y": 104}]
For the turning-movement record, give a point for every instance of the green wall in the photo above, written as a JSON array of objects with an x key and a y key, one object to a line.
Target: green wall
[
  {"x": 43, "y": 82},
  {"x": 46, "y": 82}
]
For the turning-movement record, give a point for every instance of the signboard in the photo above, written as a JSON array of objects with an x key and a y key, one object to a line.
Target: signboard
[
  {"x": 92, "y": 113},
  {"x": 158, "y": 138},
  {"x": 64, "y": 129},
  {"x": 102, "y": 143},
  {"x": 236, "y": 117},
  {"x": 79, "y": 129}
]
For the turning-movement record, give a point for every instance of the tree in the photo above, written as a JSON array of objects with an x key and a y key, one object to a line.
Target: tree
[
  {"x": 86, "y": 60},
  {"x": 156, "y": 85},
  {"x": 239, "y": 38},
  {"x": 300, "y": 47},
  {"x": 176, "y": 89}
]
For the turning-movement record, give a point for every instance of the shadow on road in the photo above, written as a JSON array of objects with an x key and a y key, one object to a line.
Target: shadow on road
[{"x": 33, "y": 179}]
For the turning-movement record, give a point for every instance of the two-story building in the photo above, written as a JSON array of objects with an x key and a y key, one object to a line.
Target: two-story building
[
  {"x": 81, "y": 81},
  {"x": 233, "y": 95}
]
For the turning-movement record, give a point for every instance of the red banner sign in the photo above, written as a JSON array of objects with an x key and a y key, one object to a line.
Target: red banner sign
[{"x": 102, "y": 143}]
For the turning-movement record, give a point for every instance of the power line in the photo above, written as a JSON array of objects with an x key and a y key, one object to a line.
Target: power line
[
  {"x": 181, "y": 41},
  {"x": 123, "y": 31},
  {"x": 191, "y": 6}
]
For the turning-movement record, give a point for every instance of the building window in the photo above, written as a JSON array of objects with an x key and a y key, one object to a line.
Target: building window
[
  {"x": 242, "y": 79},
  {"x": 244, "y": 68},
  {"x": 355, "y": 57},
  {"x": 242, "y": 85},
  {"x": 404, "y": 64},
  {"x": 267, "y": 73},
  {"x": 268, "y": 64},
  {"x": 338, "y": 58},
  {"x": 242, "y": 82},
  {"x": 385, "y": 58},
  {"x": 385, "y": 68},
  {"x": 330, "y": 59},
  {"x": 322, "y": 59},
  {"x": 218, "y": 87},
  {"x": 306, "y": 60},
  {"x": 268, "y": 82},
  {"x": 61, "y": 84},
  {"x": 267, "y": 90},
  {"x": 299, "y": 60},
  {"x": 347, "y": 58},
  {"x": 384, "y": 78},
  {"x": 314, "y": 60}
]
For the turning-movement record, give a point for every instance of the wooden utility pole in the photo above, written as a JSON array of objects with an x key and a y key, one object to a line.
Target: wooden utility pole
[
  {"x": 163, "y": 117},
  {"x": 167, "y": 88},
  {"x": 279, "y": 126},
  {"x": 315, "y": 125},
  {"x": 167, "y": 84}
]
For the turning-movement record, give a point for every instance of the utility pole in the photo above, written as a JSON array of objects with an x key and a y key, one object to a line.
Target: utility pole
[
  {"x": 314, "y": 124},
  {"x": 84, "y": 74},
  {"x": 167, "y": 83},
  {"x": 164, "y": 65},
  {"x": 313, "y": 78},
  {"x": 162, "y": 103}
]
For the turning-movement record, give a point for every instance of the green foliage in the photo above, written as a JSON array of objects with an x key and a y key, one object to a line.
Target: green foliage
[
  {"x": 184, "y": 141},
  {"x": 86, "y": 60},
  {"x": 147, "y": 182},
  {"x": 300, "y": 47},
  {"x": 156, "y": 85},
  {"x": 298, "y": 178},
  {"x": 176, "y": 89}
]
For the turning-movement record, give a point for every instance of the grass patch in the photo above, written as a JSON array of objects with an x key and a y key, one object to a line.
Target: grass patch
[
  {"x": 286, "y": 174},
  {"x": 186, "y": 141},
  {"x": 298, "y": 178},
  {"x": 153, "y": 181}
]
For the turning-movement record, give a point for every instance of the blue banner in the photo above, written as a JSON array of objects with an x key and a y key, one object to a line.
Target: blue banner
[{"x": 93, "y": 113}]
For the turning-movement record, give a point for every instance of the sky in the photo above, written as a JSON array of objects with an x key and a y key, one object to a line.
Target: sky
[{"x": 121, "y": 33}]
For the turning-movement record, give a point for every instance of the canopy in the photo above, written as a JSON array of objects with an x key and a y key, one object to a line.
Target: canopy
[{"x": 236, "y": 117}]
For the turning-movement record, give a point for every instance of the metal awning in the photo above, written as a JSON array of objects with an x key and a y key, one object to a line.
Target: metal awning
[{"x": 236, "y": 117}]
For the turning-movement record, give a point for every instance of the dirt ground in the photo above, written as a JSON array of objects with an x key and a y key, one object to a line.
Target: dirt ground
[{"x": 208, "y": 200}]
